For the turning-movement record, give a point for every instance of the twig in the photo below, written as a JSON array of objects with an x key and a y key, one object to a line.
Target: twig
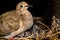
[
  {"x": 56, "y": 33},
  {"x": 43, "y": 24}
]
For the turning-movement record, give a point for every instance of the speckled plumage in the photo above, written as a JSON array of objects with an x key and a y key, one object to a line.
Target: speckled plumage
[{"x": 16, "y": 21}]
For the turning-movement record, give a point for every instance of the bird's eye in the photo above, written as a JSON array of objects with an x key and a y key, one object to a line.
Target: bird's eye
[{"x": 21, "y": 6}]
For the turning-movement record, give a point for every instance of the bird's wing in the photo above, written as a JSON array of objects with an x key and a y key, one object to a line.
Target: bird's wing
[{"x": 10, "y": 22}]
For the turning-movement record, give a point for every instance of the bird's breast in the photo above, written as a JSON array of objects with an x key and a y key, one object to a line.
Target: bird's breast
[{"x": 27, "y": 20}]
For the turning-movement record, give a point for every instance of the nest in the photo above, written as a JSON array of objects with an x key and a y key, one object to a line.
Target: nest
[{"x": 39, "y": 31}]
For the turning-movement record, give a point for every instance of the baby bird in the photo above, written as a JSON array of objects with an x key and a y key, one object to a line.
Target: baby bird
[{"x": 16, "y": 21}]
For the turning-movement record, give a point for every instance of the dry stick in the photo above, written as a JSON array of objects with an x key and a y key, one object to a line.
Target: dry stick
[
  {"x": 32, "y": 36},
  {"x": 43, "y": 24},
  {"x": 56, "y": 33},
  {"x": 37, "y": 36}
]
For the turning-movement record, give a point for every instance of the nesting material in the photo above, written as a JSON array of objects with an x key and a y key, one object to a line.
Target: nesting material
[{"x": 39, "y": 32}]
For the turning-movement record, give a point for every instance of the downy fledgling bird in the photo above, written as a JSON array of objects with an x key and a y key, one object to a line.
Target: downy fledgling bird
[{"x": 16, "y": 21}]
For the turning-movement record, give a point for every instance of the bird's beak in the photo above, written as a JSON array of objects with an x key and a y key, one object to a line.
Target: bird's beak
[{"x": 29, "y": 6}]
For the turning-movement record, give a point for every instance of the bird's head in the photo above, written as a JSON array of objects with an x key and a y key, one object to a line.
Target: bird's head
[{"x": 22, "y": 6}]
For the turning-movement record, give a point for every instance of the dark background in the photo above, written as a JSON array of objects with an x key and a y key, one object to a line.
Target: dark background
[{"x": 42, "y": 8}]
